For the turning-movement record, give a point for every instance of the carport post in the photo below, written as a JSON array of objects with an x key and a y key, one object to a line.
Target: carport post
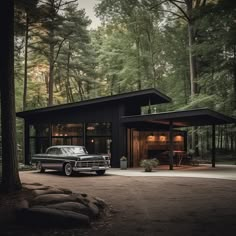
[
  {"x": 213, "y": 154},
  {"x": 171, "y": 146}
]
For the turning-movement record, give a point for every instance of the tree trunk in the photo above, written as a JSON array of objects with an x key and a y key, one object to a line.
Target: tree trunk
[
  {"x": 69, "y": 94},
  {"x": 234, "y": 77},
  {"x": 51, "y": 75},
  {"x": 26, "y": 61},
  {"x": 138, "y": 48},
  {"x": 192, "y": 60},
  {"x": 10, "y": 175}
]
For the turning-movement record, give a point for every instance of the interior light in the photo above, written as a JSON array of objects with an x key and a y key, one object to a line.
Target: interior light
[
  {"x": 178, "y": 138},
  {"x": 151, "y": 137},
  {"x": 162, "y": 138},
  {"x": 90, "y": 128}
]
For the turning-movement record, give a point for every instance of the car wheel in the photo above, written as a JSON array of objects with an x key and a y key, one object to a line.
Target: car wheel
[
  {"x": 39, "y": 167},
  {"x": 100, "y": 172},
  {"x": 67, "y": 169}
]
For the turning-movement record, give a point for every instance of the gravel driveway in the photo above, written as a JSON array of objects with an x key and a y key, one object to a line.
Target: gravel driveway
[{"x": 152, "y": 205}]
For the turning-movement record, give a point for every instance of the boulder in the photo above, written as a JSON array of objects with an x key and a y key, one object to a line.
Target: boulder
[
  {"x": 34, "y": 187},
  {"x": 47, "y": 199},
  {"x": 93, "y": 209},
  {"x": 65, "y": 190},
  {"x": 100, "y": 203},
  {"x": 23, "y": 204},
  {"x": 47, "y": 191},
  {"x": 69, "y": 206},
  {"x": 43, "y": 216}
]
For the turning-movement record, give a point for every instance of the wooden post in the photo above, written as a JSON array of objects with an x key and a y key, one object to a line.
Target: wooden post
[
  {"x": 213, "y": 154},
  {"x": 171, "y": 145}
]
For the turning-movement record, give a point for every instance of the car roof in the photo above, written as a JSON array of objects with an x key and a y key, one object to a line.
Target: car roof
[{"x": 63, "y": 146}]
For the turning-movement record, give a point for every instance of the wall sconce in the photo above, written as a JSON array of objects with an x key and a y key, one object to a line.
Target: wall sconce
[{"x": 92, "y": 141}]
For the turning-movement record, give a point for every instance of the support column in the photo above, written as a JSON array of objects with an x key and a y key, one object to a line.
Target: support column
[
  {"x": 171, "y": 145},
  {"x": 213, "y": 154},
  {"x": 50, "y": 135},
  {"x": 26, "y": 143}
]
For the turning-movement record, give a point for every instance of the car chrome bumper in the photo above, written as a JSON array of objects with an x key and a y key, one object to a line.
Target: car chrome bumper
[{"x": 95, "y": 168}]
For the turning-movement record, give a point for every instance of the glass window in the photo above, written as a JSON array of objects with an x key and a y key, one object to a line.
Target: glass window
[
  {"x": 54, "y": 151},
  {"x": 74, "y": 150},
  {"x": 98, "y": 138},
  {"x": 98, "y": 129},
  {"x": 67, "y": 134},
  {"x": 38, "y": 145},
  {"x": 39, "y": 130},
  {"x": 60, "y": 130}
]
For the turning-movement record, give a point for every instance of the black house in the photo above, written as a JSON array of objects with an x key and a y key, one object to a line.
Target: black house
[{"x": 115, "y": 125}]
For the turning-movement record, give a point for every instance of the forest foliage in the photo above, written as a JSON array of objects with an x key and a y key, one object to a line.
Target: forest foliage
[{"x": 184, "y": 48}]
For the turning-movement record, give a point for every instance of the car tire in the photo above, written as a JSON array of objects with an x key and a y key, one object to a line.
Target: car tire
[
  {"x": 100, "y": 172},
  {"x": 39, "y": 167},
  {"x": 67, "y": 169}
]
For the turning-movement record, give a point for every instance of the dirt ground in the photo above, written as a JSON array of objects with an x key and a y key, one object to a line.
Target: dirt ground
[{"x": 146, "y": 206}]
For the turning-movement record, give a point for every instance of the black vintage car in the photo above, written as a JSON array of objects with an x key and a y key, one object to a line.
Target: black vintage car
[{"x": 71, "y": 159}]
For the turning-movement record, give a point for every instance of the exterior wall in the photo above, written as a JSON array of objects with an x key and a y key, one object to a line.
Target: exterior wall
[{"x": 109, "y": 114}]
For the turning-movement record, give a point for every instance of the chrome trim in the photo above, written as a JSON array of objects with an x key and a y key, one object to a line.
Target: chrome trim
[
  {"x": 90, "y": 168},
  {"x": 48, "y": 158}
]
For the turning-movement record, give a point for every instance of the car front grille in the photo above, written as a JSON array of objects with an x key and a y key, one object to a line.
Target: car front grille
[{"x": 91, "y": 163}]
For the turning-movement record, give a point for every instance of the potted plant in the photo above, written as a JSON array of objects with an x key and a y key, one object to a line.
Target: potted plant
[
  {"x": 123, "y": 163},
  {"x": 148, "y": 164}
]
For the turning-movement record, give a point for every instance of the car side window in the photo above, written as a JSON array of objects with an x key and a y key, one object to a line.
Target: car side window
[
  {"x": 52, "y": 151},
  {"x": 58, "y": 152}
]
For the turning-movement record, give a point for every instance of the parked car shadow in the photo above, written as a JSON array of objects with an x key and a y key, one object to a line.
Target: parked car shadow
[{"x": 76, "y": 174}]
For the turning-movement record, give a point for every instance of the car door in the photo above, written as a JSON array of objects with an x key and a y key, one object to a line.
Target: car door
[{"x": 54, "y": 159}]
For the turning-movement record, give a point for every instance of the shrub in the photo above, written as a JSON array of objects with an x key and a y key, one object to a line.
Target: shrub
[{"x": 148, "y": 164}]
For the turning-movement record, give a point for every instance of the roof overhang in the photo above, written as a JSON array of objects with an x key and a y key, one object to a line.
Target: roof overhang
[
  {"x": 139, "y": 98},
  {"x": 186, "y": 118}
]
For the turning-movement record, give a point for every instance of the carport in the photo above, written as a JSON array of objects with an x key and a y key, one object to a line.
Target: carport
[{"x": 179, "y": 119}]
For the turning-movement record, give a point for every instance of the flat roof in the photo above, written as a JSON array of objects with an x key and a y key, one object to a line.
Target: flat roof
[
  {"x": 183, "y": 118},
  {"x": 140, "y": 98}
]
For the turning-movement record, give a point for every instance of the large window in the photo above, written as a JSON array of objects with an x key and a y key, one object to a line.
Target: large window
[
  {"x": 67, "y": 134},
  {"x": 98, "y": 137},
  {"x": 39, "y": 138}
]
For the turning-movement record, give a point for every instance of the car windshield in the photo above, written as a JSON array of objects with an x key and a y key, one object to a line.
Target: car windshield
[{"x": 74, "y": 150}]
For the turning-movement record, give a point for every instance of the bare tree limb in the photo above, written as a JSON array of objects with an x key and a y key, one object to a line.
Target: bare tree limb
[
  {"x": 176, "y": 14},
  {"x": 180, "y": 8},
  {"x": 59, "y": 49},
  {"x": 158, "y": 4}
]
